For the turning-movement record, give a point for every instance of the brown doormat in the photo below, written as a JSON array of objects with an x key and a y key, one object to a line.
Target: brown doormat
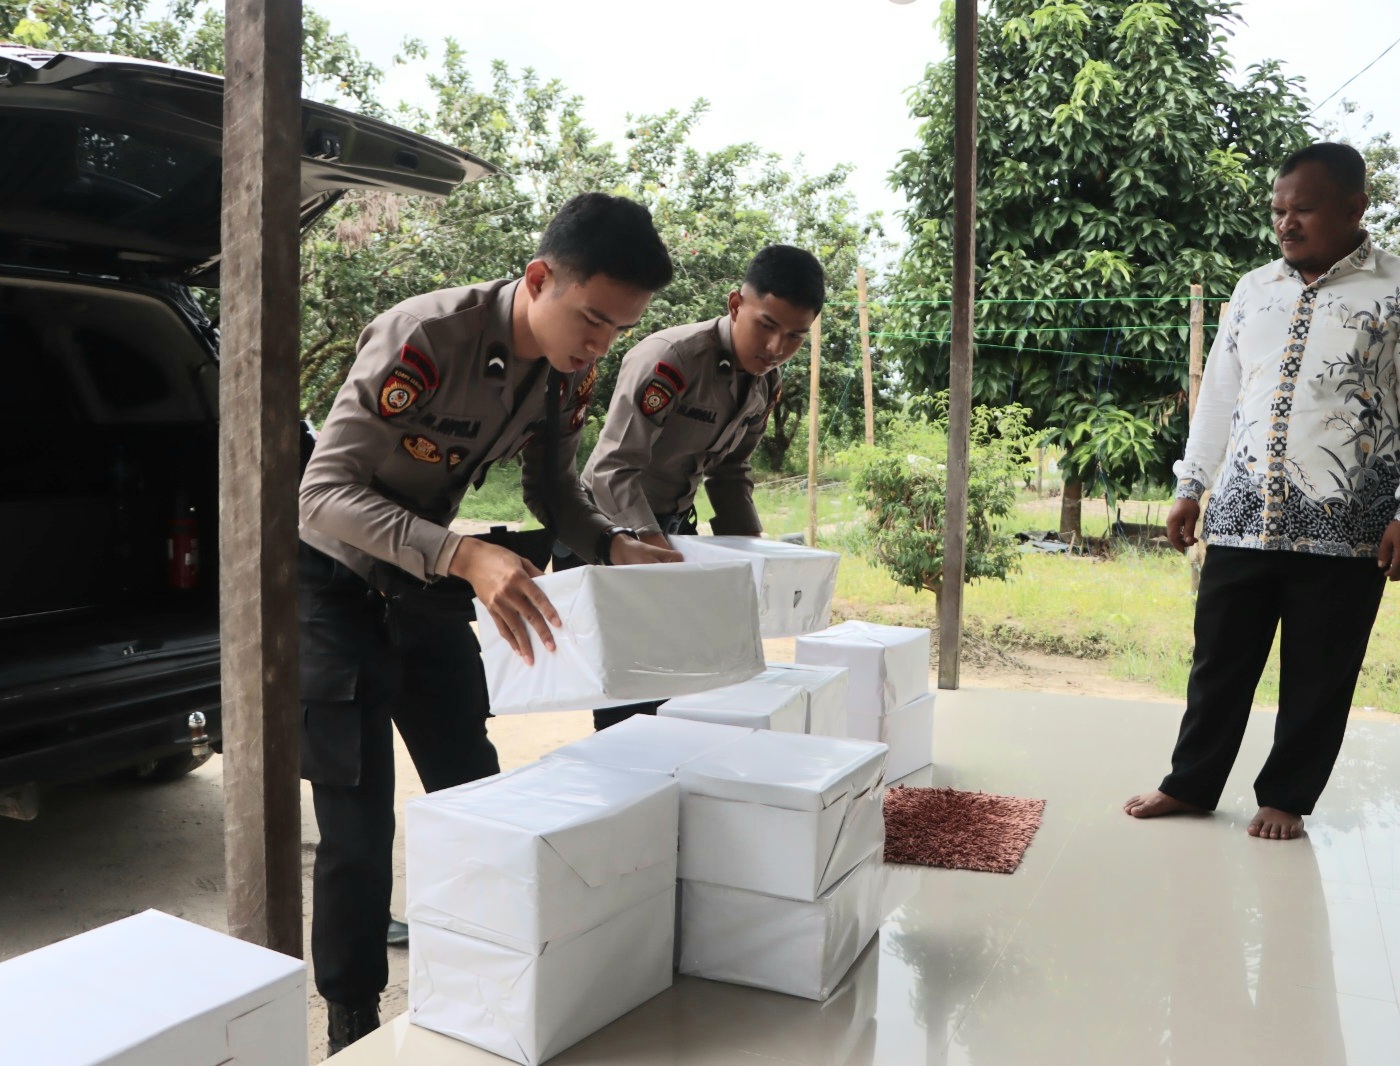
[{"x": 959, "y": 830}]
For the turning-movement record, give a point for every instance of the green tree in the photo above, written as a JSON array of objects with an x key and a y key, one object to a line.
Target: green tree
[
  {"x": 1382, "y": 157},
  {"x": 902, "y": 483},
  {"x": 1117, "y": 163}
]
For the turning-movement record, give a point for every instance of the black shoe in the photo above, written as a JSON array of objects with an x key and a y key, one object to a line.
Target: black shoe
[
  {"x": 346, "y": 1024},
  {"x": 398, "y": 934}
]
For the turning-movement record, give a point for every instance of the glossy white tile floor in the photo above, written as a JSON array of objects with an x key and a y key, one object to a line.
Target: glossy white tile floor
[{"x": 1179, "y": 941}]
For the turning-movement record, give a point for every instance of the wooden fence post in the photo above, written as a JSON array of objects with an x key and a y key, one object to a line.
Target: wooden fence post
[
  {"x": 812, "y": 413},
  {"x": 1197, "y": 348},
  {"x": 865, "y": 358}
]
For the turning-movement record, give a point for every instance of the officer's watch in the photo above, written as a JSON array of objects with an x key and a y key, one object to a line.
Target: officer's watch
[{"x": 605, "y": 539}]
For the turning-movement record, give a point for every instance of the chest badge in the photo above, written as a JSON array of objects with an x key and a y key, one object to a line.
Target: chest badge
[
  {"x": 397, "y": 394},
  {"x": 455, "y": 457},
  {"x": 422, "y": 449}
]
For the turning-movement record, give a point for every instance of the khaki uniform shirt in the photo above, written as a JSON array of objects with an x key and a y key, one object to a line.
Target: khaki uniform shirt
[
  {"x": 679, "y": 414},
  {"x": 434, "y": 398}
]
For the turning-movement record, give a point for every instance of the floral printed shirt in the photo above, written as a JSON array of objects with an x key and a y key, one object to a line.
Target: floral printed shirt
[{"x": 1297, "y": 427}]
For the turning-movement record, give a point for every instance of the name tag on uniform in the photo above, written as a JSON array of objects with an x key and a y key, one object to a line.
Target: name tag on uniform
[{"x": 697, "y": 413}]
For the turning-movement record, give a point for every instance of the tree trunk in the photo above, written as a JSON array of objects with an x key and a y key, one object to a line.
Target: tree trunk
[{"x": 1070, "y": 502}]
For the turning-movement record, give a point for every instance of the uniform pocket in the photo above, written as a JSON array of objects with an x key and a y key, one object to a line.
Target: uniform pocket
[{"x": 331, "y": 721}]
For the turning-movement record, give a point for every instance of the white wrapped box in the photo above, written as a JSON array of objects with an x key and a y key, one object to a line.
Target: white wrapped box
[
  {"x": 630, "y": 633},
  {"x": 908, "y": 732},
  {"x": 655, "y": 744},
  {"x": 541, "y": 853},
  {"x": 530, "y": 1007},
  {"x": 779, "y": 813},
  {"x": 888, "y": 664},
  {"x": 825, "y": 688},
  {"x": 153, "y": 990},
  {"x": 803, "y": 949},
  {"x": 795, "y": 583},
  {"x": 753, "y": 704}
]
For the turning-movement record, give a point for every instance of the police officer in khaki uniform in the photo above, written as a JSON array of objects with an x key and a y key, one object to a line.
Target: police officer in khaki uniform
[
  {"x": 692, "y": 403},
  {"x": 443, "y": 386}
]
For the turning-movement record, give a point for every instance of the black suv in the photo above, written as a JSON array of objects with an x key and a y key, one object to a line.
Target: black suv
[{"x": 109, "y": 211}]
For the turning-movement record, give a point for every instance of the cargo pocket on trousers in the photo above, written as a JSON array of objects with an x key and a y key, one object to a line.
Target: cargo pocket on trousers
[{"x": 331, "y": 721}]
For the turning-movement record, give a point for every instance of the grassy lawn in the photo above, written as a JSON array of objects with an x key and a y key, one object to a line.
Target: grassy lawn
[{"x": 1134, "y": 612}]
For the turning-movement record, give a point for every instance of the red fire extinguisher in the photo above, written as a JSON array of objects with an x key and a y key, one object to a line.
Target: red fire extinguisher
[{"x": 182, "y": 545}]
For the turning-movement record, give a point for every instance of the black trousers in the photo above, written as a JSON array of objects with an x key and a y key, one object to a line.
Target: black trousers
[
  {"x": 369, "y": 663},
  {"x": 1326, "y": 607}
]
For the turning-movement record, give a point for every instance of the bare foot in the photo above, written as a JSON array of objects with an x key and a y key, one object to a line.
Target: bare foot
[
  {"x": 1273, "y": 824},
  {"x": 1154, "y": 803}
]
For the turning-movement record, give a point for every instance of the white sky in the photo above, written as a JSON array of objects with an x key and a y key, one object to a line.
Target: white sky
[{"x": 823, "y": 78}]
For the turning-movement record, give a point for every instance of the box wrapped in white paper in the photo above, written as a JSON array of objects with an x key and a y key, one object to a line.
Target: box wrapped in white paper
[
  {"x": 825, "y": 690},
  {"x": 795, "y": 583},
  {"x": 650, "y": 743},
  {"x": 630, "y": 633},
  {"x": 801, "y": 948},
  {"x": 541, "y": 853},
  {"x": 750, "y": 703},
  {"x": 529, "y": 1007},
  {"x": 781, "y": 813},
  {"x": 888, "y": 664},
  {"x": 908, "y": 732},
  {"x": 153, "y": 990}
]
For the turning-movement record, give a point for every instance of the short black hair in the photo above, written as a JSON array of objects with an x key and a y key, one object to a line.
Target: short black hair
[
  {"x": 1342, "y": 162},
  {"x": 790, "y": 274},
  {"x": 595, "y": 233}
]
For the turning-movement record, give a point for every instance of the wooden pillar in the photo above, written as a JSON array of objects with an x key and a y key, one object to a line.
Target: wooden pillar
[
  {"x": 813, "y": 411},
  {"x": 258, "y": 471},
  {"x": 865, "y": 357},
  {"x": 1198, "y": 345},
  {"x": 960, "y": 366}
]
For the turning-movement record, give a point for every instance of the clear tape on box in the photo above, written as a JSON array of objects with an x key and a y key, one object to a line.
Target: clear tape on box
[
  {"x": 888, "y": 664},
  {"x": 907, "y": 731},
  {"x": 782, "y": 814},
  {"x": 529, "y": 1007},
  {"x": 825, "y": 690},
  {"x": 753, "y": 704},
  {"x": 795, "y": 583},
  {"x": 540, "y": 853},
  {"x": 624, "y": 640},
  {"x": 153, "y": 990},
  {"x": 800, "y": 948}
]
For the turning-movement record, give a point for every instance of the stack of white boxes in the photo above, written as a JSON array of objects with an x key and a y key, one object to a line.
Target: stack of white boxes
[
  {"x": 754, "y": 704},
  {"x": 153, "y": 990},
  {"x": 541, "y": 904},
  {"x": 824, "y": 690},
  {"x": 781, "y": 851},
  {"x": 888, "y": 698},
  {"x": 795, "y": 584}
]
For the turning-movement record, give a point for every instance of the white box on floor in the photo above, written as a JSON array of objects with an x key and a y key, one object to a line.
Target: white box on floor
[
  {"x": 529, "y": 1007},
  {"x": 825, "y": 688},
  {"x": 795, "y": 583},
  {"x": 630, "y": 633},
  {"x": 753, "y": 703},
  {"x": 888, "y": 664},
  {"x": 801, "y": 948},
  {"x": 650, "y": 743},
  {"x": 541, "y": 853},
  {"x": 908, "y": 731},
  {"x": 780, "y": 813},
  {"x": 153, "y": 990}
]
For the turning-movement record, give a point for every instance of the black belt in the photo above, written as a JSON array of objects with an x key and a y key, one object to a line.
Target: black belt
[{"x": 681, "y": 524}]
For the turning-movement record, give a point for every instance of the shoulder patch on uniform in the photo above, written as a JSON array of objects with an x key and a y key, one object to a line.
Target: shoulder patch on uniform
[
  {"x": 655, "y": 397},
  {"x": 421, "y": 365},
  {"x": 669, "y": 373},
  {"x": 496, "y": 356},
  {"x": 422, "y": 449},
  {"x": 584, "y": 392},
  {"x": 398, "y": 393},
  {"x": 455, "y": 457}
]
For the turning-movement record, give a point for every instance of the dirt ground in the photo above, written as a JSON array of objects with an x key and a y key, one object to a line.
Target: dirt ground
[{"x": 99, "y": 852}]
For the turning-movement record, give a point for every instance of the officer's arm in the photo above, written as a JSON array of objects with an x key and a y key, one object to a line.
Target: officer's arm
[
  {"x": 641, "y": 404},
  {"x": 577, "y": 522},
  {"x": 729, "y": 484},
  {"x": 393, "y": 371}
]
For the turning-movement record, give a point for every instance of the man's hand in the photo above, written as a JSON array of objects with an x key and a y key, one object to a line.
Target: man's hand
[
  {"x": 625, "y": 551},
  {"x": 1181, "y": 523},
  {"x": 1388, "y": 558},
  {"x": 501, "y": 580},
  {"x": 656, "y": 540}
]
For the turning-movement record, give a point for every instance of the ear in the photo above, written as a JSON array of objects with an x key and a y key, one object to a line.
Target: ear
[
  {"x": 1359, "y": 202},
  {"x": 537, "y": 272},
  {"x": 736, "y": 300}
]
